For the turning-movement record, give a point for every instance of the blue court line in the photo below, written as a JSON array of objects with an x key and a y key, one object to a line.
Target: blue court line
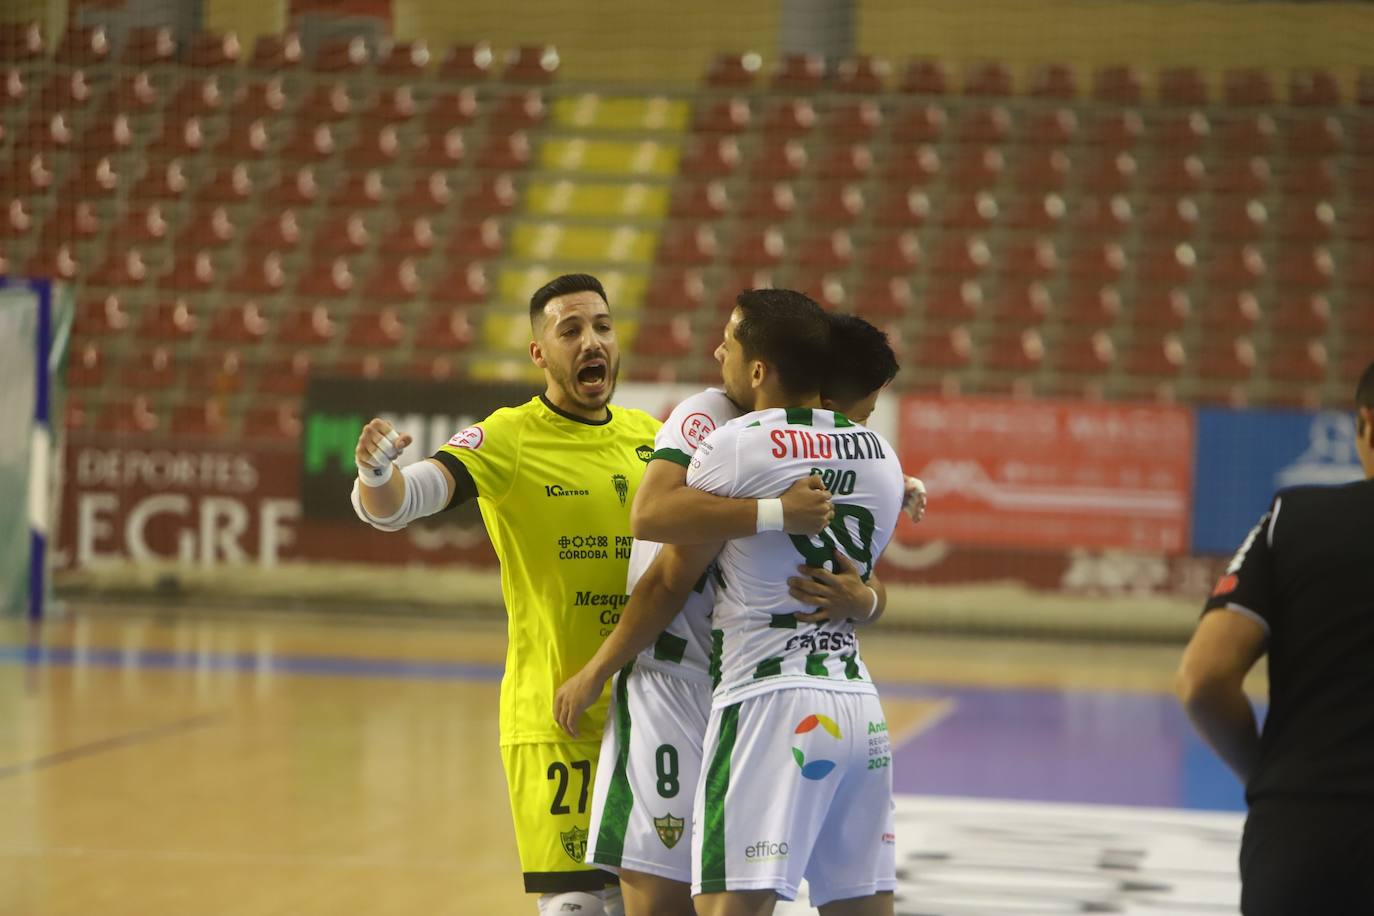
[
  {"x": 321, "y": 665},
  {"x": 110, "y": 744}
]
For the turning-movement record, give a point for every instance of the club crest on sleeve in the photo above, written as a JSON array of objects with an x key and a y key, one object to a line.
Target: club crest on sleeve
[
  {"x": 472, "y": 438},
  {"x": 697, "y": 427},
  {"x": 1226, "y": 584}
]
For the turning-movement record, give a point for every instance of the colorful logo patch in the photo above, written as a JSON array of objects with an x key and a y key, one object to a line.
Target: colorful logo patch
[
  {"x": 696, "y": 427},
  {"x": 815, "y": 769},
  {"x": 669, "y": 829},
  {"x": 575, "y": 844},
  {"x": 1226, "y": 584},
  {"x": 645, "y": 453},
  {"x": 472, "y": 438}
]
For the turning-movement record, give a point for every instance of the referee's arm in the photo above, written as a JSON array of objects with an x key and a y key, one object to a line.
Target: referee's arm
[{"x": 1210, "y": 685}]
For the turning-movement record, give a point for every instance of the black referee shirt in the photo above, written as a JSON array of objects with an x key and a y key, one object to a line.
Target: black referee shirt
[{"x": 1306, "y": 574}]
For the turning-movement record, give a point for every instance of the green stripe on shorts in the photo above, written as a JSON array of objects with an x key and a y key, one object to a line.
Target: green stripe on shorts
[
  {"x": 610, "y": 839},
  {"x": 769, "y": 667},
  {"x": 717, "y": 785}
]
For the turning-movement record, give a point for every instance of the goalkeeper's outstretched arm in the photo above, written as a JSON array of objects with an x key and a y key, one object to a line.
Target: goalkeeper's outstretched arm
[{"x": 388, "y": 500}]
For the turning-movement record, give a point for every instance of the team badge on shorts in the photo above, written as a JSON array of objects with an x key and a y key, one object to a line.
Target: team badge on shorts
[
  {"x": 575, "y": 844},
  {"x": 669, "y": 829}
]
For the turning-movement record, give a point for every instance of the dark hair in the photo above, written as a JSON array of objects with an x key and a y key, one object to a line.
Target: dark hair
[
  {"x": 788, "y": 331},
  {"x": 563, "y": 286},
  {"x": 1364, "y": 393},
  {"x": 861, "y": 360}
]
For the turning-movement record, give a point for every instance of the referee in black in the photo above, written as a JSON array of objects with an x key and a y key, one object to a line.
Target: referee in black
[{"x": 1301, "y": 589}]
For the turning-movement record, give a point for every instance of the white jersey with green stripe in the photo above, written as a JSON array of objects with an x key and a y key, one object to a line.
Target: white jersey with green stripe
[
  {"x": 683, "y": 648},
  {"x": 758, "y": 645}
]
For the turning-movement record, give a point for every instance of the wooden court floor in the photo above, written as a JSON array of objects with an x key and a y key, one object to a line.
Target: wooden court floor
[{"x": 173, "y": 763}]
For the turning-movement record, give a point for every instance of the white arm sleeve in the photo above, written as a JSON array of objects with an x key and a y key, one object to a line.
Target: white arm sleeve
[{"x": 426, "y": 494}]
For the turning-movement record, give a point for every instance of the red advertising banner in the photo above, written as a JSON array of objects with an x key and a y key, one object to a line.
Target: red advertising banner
[{"x": 1048, "y": 474}]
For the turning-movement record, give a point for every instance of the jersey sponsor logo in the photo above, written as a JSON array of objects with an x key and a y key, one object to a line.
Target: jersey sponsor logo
[
  {"x": 669, "y": 829},
  {"x": 696, "y": 427},
  {"x": 816, "y": 768},
  {"x": 579, "y": 547},
  {"x": 645, "y": 453},
  {"x": 1225, "y": 584},
  {"x": 575, "y": 844},
  {"x": 766, "y": 850},
  {"x": 471, "y": 438},
  {"x": 798, "y": 443},
  {"x": 622, "y": 486},
  {"x": 554, "y": 489}
]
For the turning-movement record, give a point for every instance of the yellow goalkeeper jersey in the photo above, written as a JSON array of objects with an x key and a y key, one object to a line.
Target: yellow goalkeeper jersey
[{"x": 555, "y": 493}]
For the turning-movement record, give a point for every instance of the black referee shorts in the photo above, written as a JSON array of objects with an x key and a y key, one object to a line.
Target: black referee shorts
[{"x": 1308, "y": 857}]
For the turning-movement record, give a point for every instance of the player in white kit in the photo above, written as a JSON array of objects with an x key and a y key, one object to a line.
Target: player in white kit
[{"x": 679, "y": 713}]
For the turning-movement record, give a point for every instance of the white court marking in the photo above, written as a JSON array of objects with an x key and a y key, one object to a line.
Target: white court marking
[{"x": 961, "y": 857}]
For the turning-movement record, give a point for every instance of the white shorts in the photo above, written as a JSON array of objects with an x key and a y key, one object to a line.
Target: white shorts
[
  {"x": 647, "y": 774},
  {"x": 797, "y": 784}
]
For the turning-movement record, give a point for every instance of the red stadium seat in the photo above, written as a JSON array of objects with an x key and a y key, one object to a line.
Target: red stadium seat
[
  {"x": 253, "y": 100},
  {"x": 1090, "y": 306},
  {"x": 836, "y": 204},
  {"x": 1177, "y": 175},
  {"x": 722, "y": 116},
  {"x": 1038, "y": 214},
  {"x": 361, "y": 191},
  {"x": 21, "y": 42},
  {"x": 466, "y": 63},
  {"x": 377, "y": 149},
  {"x": 827, "y": 252},
  {"x": 149, "y": 370},
  {"x": 100, "y": 317},
  {"x": 1018, "y": 351},
  {"x": 891, "y": 252},
  {"x": 1156, "y": 357},
  {"x": 1248, "y": 87},
  {"x": 947, "y": 350},
  {"x": 133, "y": 94},
  {"x": 1084, "y": 352},
  {"x": 1099, "y": 263},
  {"x": 1042, "y": 170},
  {"x": 664, "y": 336},
  {"x": 1297, "y": 361},
  {"x": 1231, "y": 361},
  {"x": 977, "y": 169},
  {"x": 1313, "y": 88},
  {"x": 1299, "y": 314},
  {"x": 961, "y": 256},
  {"x": 533, "y": 64},
  {"x": 1179, "y": 133},
  {"x": 83, "y": 46},
  {"x": 296, "y": 188},
  {"x": 1160, "y": 309},
  {"x": 452, "y": 109},
  {"x": 394, "y": 282},
  {"x": 970, "y": 211},
  {"x": 1313, "y": 269},
  {"x": 1049, "y": 127},
  {"x": 1242, "y": 176},
  {"x": 1028, "y": 258},
  {"x": 798, "y": 73},
  {"x": 329, "y": 279},
  {"x": 376, "y": 330},
  {"x": 1239, "y": 220},
  {"x": 477, "y": 241},
  {"x": 202, "y": 97},
  {"x": 714, "y": 157},
  {"x": 789, "y": 118},
  {"x": 851, "y": 162},
  {"x": 919, "y": 124},
  {"x": 241, "y": 323},
  {"x": 853, "y": 121},
  {"x": 1119, "y": 85},
  {"x": 346, "y": 233},
  {"x": 464, "y": 284},
  {"x": 410, "y": 238},
  {"x": 688, "y": 245},
  {"x": 191, "y": 272},
  {"x": 1098, "y": 217},
  {"x": 213, "y": 50},
  {"x": 1304, "y": 221},
  {"x": 986, "y": 126},
  {"x": 925, "y": 77},
  {"x": 733, "y": 70},
  {"x": 1116, "y": 131},
  {"x": 989, "y": 78},
  {"x": 249, "y": 142},
  {"x": 127, "y": 417},
  {"x": 260, "y": 276},
  {"x": 504, "y": 152},
  {"x": 208, "y": 228},
  {"x": 203, "y": 420},
  {"x": 284, "y": 375},
  {"x": 1310, "y": 179},
  {"x": 148, "y": 46},
  {"x": 279, "y": 232},
  {"x": 519, "y": 111},
  {"x": 120, "y": 268},
  {"x": 1054, "y": 81},
  {"x": 1183, "y": 86},
  {"x": 1109, "y": 173},
  {"x": 862, "y": 74},
  {"x": 705, "y": 200},
  {"x": 1229, "y": 313},
  {"x": 1167, "y": 265},
  {"x": 1321, "y": 136},
  {"x": 1021, "y": 303},
  {"x": 393, "y": 105},
  {"x": 675, "y": 290},
  {"x": 447, "y": 330},
  {"x": 433, "y": 192},
  {"x": 902, "y": 209},
  {"x": 778, "y": 160},
  {"x": 1252, "y": 135},
  {"x": 404, "y": 58},
  {"x": 755, "y": 248},
  {"x": 886, "y": 298},
  {"x": 306, "y": 327},
  {"x": 87, "y": 368},
  {"x": 911, "y": 165},
  {"x": 276, "y": 52}
]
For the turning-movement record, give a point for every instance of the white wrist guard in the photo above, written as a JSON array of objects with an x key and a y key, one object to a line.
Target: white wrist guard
[
  {"x": 375, "y": 477},
  {"x": 770, "y": 515},
  {"x": 872, "y": 608},
  {"x": 426, "y": 494},
  {"x": 379, "y": 471}
]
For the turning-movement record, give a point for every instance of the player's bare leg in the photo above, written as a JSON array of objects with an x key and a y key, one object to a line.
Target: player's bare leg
[
  {"x": 653, "y": 895},
  {"x": 879, "y": 904},
  {"x": 737, "y": 903}
]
